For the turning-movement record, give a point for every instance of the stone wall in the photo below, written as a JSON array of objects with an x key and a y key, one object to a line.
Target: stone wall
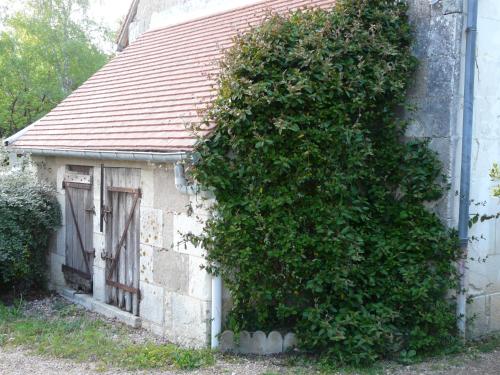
[
  {"x": 436, "y": 91},
  {"x": 152, "y": 14},
  {"x": 175, "y": 291}
]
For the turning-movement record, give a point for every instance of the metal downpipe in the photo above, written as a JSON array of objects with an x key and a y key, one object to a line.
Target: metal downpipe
[{"x": 465, "y": 169}]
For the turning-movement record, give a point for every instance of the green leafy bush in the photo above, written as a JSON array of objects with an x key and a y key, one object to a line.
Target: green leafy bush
[
  {"x": 29, "y": 212},
  {"x": 320, "y": 224}
]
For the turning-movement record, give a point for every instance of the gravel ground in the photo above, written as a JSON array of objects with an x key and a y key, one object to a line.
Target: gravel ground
[
  {"x": 17, "y": 361},
  {"x": 21, "y": 362}
]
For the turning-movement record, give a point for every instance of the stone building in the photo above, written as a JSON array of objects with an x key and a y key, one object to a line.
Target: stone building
[{"x": 115, "y": 148}]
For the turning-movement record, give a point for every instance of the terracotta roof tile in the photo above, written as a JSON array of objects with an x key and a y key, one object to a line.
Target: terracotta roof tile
[{"x": 145, "y": 97}]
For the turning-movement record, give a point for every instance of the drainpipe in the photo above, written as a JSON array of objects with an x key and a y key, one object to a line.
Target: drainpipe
[
  {"x": 184, "y": 187},
  {"x": 465, "y": 171},
  {"x": 216, "y": 326},
  {"x": 181, "y": 183},
  {"x": 18, "y": 135}
]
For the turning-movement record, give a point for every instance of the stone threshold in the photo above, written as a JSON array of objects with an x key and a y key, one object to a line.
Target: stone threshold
[{"x": 91, "y": 304}]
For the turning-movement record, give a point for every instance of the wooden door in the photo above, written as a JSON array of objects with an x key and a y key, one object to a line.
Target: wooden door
[
  {"x": 79, "y": 222},
  {"x": 121, "y": 211}
]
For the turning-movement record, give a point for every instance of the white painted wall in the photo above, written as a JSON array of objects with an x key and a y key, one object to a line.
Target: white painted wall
[{"x": 484, "y": 277}]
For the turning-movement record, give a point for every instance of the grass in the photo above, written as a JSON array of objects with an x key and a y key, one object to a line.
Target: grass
[{"x": 71, "y": 334}]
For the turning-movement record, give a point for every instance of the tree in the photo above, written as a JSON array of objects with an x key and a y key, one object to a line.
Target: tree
[{"x": 46, "y": 52}]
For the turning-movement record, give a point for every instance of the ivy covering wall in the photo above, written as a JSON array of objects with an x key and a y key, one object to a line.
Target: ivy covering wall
[{"x": 320, "y": 224}]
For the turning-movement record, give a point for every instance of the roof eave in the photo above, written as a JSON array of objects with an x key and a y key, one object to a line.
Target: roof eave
[{"x": 137, "y": 156}]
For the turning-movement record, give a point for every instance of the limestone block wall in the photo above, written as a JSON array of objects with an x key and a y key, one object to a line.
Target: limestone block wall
[
  {"x": 484, "y": 270},
  {"x": 152, "y": 14},
  {"x": 436, "y": 91},
  {"x": 175, "y": 290}
]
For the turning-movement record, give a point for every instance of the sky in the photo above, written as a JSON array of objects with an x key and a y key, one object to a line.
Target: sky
[{"x": 109, "y": 12}]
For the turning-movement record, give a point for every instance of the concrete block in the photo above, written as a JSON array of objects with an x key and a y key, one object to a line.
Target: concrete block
[
  {"x": 439, "y": 75},
  {"x": 152, "y": 327},
  {"x": 200, "y": 282},
  {"x": 99, "y": 284},
  {"x": 200, "y": 204},
  {"x": 151, "y": 226},
  {"x": 184, "y": 224},
  {"x": 151, "y": 307},
  {"x": 167, "y": 321},
  {"x": 259, "y": 343},
  {"x": 289, "y": 341},
  {"x": 452, "y": 6},
  {"x": 442, "y": 147},
  {"x": 245, "y": 343},
  {"x": 256, "y": 343},
  {"x": 146, "y": 263},
  {"x": 147, "y": 188},
  {"x": 274, "y": 343},
  {"x": 226, "y": 341},
  {"x": 168, "y": 230},
  {"x": 190, "y": 321},
  {"x": 113, "y": 312},
  {"x": 171, "y": 270},
  {"x": 166, "y": 195}
]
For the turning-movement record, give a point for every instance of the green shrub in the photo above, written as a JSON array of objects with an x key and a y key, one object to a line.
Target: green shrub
[
  {"x": 29, "y": 212},
  {"x": 320, "y": 224}
]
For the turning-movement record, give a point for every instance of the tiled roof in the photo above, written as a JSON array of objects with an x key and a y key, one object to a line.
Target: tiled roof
[{"x": 144, "y": 97}]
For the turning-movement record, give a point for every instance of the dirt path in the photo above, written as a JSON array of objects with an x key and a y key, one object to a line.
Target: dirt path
[
  {"x": 15, "y": 361},
  {"x": 20, "y": 362}
]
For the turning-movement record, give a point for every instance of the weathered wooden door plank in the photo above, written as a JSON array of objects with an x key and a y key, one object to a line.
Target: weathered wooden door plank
[
  {"x": 122, "y": 200},
  {"x": 79, "y": 229}
]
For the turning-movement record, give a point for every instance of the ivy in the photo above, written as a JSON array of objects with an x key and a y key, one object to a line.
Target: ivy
[{"x": 320, "y": 224}]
